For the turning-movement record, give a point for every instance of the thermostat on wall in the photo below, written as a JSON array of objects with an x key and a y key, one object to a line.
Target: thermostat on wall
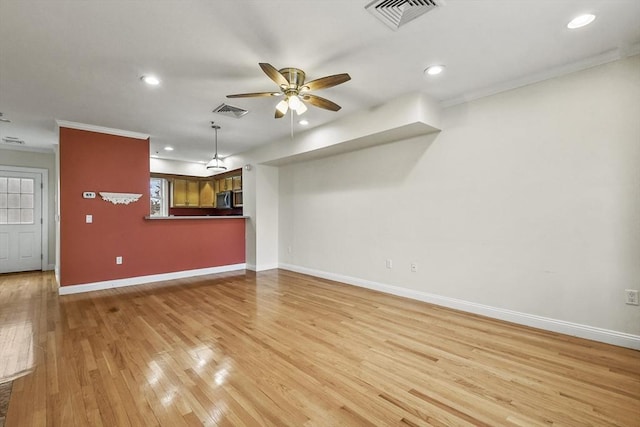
[{"x": 89, "y": 195}]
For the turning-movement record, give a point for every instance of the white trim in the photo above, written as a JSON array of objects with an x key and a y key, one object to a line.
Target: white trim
[
  {"x": 575, "y": 329},
  {"x": 131, "y": 281},
  {"x": 44, "y": 208},
  {"x": 264, "y": 267},
  {"x": 27, "y": 148},
  {"x": 100, "y": 129}
]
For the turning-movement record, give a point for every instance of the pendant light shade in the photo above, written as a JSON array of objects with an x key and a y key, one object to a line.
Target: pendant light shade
[{"x": 216, "y": 163}]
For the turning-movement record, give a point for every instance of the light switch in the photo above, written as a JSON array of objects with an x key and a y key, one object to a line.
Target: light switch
[{"x": 89, "y": 219}]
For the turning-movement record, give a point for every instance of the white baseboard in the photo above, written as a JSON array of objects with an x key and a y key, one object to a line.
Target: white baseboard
[
  {"x": 262, "y": 267},
  {"x": 575, "y": 329},
  {"x": 131, "y": 281}
]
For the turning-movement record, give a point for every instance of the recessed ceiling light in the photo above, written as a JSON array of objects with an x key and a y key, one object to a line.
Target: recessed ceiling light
[
  {"x": 581, "y": 21},
  {"x": 304, "y": 122},
  {"x": 150, "y": 80},
  {"x": 168, "y": 148},
  {"x": 434, "y": 70}
]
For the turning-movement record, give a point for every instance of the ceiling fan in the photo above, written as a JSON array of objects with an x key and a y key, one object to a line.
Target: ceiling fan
[{"x": 295, "y": 90}]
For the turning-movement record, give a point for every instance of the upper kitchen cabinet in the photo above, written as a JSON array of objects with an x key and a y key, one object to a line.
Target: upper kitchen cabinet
[
  {"x": 197, "y": 192},
  {"x": 207, "y": 194},
  {"x": 185, "y": 193}
]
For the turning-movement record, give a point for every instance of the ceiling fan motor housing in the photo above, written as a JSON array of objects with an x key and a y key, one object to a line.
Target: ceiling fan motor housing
[{"x": 295, "y": 77}]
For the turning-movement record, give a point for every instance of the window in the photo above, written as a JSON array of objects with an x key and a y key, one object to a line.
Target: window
[
  {"x": 158, "y": 191},
  {"x": 16, "y": 200}
]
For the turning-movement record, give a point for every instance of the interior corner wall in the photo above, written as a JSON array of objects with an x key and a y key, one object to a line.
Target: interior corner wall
[
  {"x": 527, "y": 200},
  {"x": 32, "y": 159}
]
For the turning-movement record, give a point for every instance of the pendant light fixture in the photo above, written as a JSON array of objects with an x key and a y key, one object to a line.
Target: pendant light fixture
[{"x": 216, "y": 163}]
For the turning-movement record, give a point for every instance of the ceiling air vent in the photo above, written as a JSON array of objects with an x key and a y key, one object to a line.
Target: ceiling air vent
[
  {"x": 12, "y": 140},
  {"x": 230, "y": 110},
  {"x": 396, "y": 13}
]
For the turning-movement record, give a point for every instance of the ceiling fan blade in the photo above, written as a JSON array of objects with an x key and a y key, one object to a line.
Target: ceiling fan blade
[
  {"x": 326, "y": 82},
  {"x": 254, "y": 94},
  {"x": 279, "y": 114},
  {"x": 321, "y": 102},
  {"x": 274, "y": 74}
]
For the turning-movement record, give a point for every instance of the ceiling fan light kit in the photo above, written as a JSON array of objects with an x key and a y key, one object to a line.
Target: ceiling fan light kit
[
  {"x": 282, "y": 107},
  {"x": 292, "y": 85}
]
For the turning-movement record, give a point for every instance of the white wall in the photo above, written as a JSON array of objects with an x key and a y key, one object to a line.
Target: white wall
[
  {"x": 408, "y": 115},
  {"x": 40, "y": 160},
  {"x": 528, "y": 200},
  {"x": 266, "y": 217}
]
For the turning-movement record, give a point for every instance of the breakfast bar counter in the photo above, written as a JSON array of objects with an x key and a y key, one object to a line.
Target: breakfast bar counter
[{"x": 154, "y": 218}]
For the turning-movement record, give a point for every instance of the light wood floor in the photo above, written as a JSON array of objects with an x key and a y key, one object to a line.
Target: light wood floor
[{"x": 278, "y": 348}]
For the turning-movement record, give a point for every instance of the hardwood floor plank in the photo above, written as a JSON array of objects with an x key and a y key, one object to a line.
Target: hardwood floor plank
[{"x": 278, "y": 348}]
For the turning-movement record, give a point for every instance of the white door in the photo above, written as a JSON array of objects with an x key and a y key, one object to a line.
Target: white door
[{"x": 20, "y": 221}]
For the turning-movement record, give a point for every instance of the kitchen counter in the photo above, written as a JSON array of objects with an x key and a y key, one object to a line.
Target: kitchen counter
[{"x": 156, "y": 218}]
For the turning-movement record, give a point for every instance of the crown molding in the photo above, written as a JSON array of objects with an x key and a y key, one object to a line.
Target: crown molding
[
  {"x": 101, "y": 129},
  {"x": 593, "y": 61},
  {"x": 27, "y": 148}
]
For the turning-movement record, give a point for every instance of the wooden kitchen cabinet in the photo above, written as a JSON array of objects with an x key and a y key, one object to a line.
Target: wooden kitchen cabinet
[
  {"x": 207, "y": 194},
  {"x": 185, "y": 193},
  {"x": 237, "y": 182},
  {"x": 225, "y": 184}
]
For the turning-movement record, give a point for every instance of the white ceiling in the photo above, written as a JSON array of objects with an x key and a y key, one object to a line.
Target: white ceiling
[{"x": 81, "y": 61}]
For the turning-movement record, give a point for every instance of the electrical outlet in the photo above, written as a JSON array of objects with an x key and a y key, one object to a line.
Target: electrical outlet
[
  {"x": 118, "y": 260},
  {"x": 88, "y": 219},
  {"x": 389, "y": 263},
  {"x": 631, "y": 297},
  {"x": 414, "y": 267}
]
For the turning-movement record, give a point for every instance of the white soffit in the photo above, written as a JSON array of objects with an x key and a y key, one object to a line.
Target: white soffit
[
  {"x": 392, "y": 135},
  {"x": 401, "y": 118}
]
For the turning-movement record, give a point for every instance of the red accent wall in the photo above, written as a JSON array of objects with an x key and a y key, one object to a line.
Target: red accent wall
[{"x": 91, "y": 161}]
